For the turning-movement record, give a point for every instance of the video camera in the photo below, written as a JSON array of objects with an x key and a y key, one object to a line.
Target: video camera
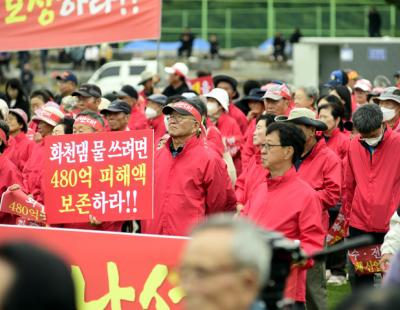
[{"x": 286, "y": 252}]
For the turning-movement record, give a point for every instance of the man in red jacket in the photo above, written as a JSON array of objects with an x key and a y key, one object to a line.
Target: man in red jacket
[
  {"x": 229, "y": 84},
  {"x": 286, "y": 203},
  {"x": 372, "y": 179},
  {"x": 320, "y": 167},
  {"x": 191, "y": 180}
]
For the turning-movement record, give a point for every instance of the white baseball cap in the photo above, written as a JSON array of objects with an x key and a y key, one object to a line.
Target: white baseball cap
[
  {"x": 364, "y": 85},
  {"x": 178, "y": 68},
  {"x": 221, "y": 96}
]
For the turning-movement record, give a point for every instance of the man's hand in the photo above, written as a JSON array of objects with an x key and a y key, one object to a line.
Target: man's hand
[
  {"x": 14, "y": 187},
  {"x": 93, "y": 221}
]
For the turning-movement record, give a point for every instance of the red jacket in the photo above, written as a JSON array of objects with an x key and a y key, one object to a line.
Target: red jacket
[
  {"x": 33, "y": 173},
  {"x": 322, "y": 169},
  {"x": 158, "y": 125},
  {"x": 137, "y": 120},
  {"x": 339, "y": 143},
  {"x": 10, "y": 149},
  {"x": 213, "y": 138},
  {"x": 22, "y": 150},
  {"x": 248, "y": 148},
  {"x": 239, "y": 116},
  {"x": 252, "y": 176},
  {"x": 372, "y": 183},
  {"x": 233, "y": 137},
  {"x": 9, "y": 175},
  {"x": 290, "y": 206},
  {"x": 187, "y": 188}
]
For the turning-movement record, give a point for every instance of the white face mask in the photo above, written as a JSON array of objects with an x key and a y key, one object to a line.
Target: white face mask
[
  {"x": 212, "y": 108},
  {"x": 150, "y": 113},
  {"x": 166, "y": 121},
  {"x": 373, "y": 141},
  {"x": 388, "y": 114}
]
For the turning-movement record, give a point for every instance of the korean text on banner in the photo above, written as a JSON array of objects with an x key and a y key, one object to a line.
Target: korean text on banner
[
  {"x": 42, "y": 24},
  {"x": 114, "y": 276},
  {"x": 108, "y": 175},
  {"x": 18, "y": 203}
]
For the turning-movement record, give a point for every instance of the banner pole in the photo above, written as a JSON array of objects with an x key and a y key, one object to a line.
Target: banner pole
[{"x": 158, "y": 56}]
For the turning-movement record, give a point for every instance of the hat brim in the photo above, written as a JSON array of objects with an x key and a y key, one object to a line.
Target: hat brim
[
  {"x": 121, "y": 94},
  {"x": 158, "y": 102},
  {"x": 169, "y": 70},
  {"x": 111, "y": 110},
  {"x": 247, "y": 99},
  {"x": 364, "y": 90},
  {"x": 331, "y": 84},
  {"x": 169, "y": 109},
  {"x": 144, "y": 81},
  {"x": 272, "y": 96},
  {"x": 380, "y": 98},
  {"x": 81, "y": 93},
  {"x": 60, "y": 78},
  {"x": 46, "y": 120},
  {"x": 302, "y": 120}
]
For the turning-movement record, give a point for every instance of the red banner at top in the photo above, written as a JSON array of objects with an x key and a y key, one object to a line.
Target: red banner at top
[{"x": 42, "y": 24}]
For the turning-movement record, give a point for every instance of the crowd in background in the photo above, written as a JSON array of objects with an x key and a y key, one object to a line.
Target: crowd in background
[{"x": 292, "y": 160}]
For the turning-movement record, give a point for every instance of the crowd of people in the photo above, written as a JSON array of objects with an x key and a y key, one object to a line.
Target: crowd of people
[{"x": 288, "y": 159}]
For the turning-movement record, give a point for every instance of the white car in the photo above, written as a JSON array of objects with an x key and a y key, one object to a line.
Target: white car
[{"x": 115, "y": 74}]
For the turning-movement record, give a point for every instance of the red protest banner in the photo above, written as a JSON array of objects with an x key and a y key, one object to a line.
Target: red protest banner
[
  {"x": 18, "y": 203},
  {"x": 108, "y": 274},
  {"x": 366, "y": 260},
  {"x": 108, "y": 175},
  {"x": 202, "y": 85},
  {"x": 33, "y": 24},
  {"x": 338, "y": 230}
]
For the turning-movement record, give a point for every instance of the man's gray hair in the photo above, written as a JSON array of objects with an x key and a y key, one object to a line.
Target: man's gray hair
[
  {"x": 249, "y": 249},
  {"x": 311, "y": 92},
  {"x": 367, "y": 118}
]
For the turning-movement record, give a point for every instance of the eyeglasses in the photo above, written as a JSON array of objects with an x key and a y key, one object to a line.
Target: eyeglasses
[
  {"x": 178, "y": 118},
  {"x": 202, "y": 273},
  {"x": 268, "y": 146}
]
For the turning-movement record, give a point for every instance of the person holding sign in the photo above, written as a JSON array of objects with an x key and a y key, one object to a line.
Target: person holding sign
[
  {"x": 9, "y": 173},
  {"x": 372, "y": 179},
  {"x": 190, "y": 179}
]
